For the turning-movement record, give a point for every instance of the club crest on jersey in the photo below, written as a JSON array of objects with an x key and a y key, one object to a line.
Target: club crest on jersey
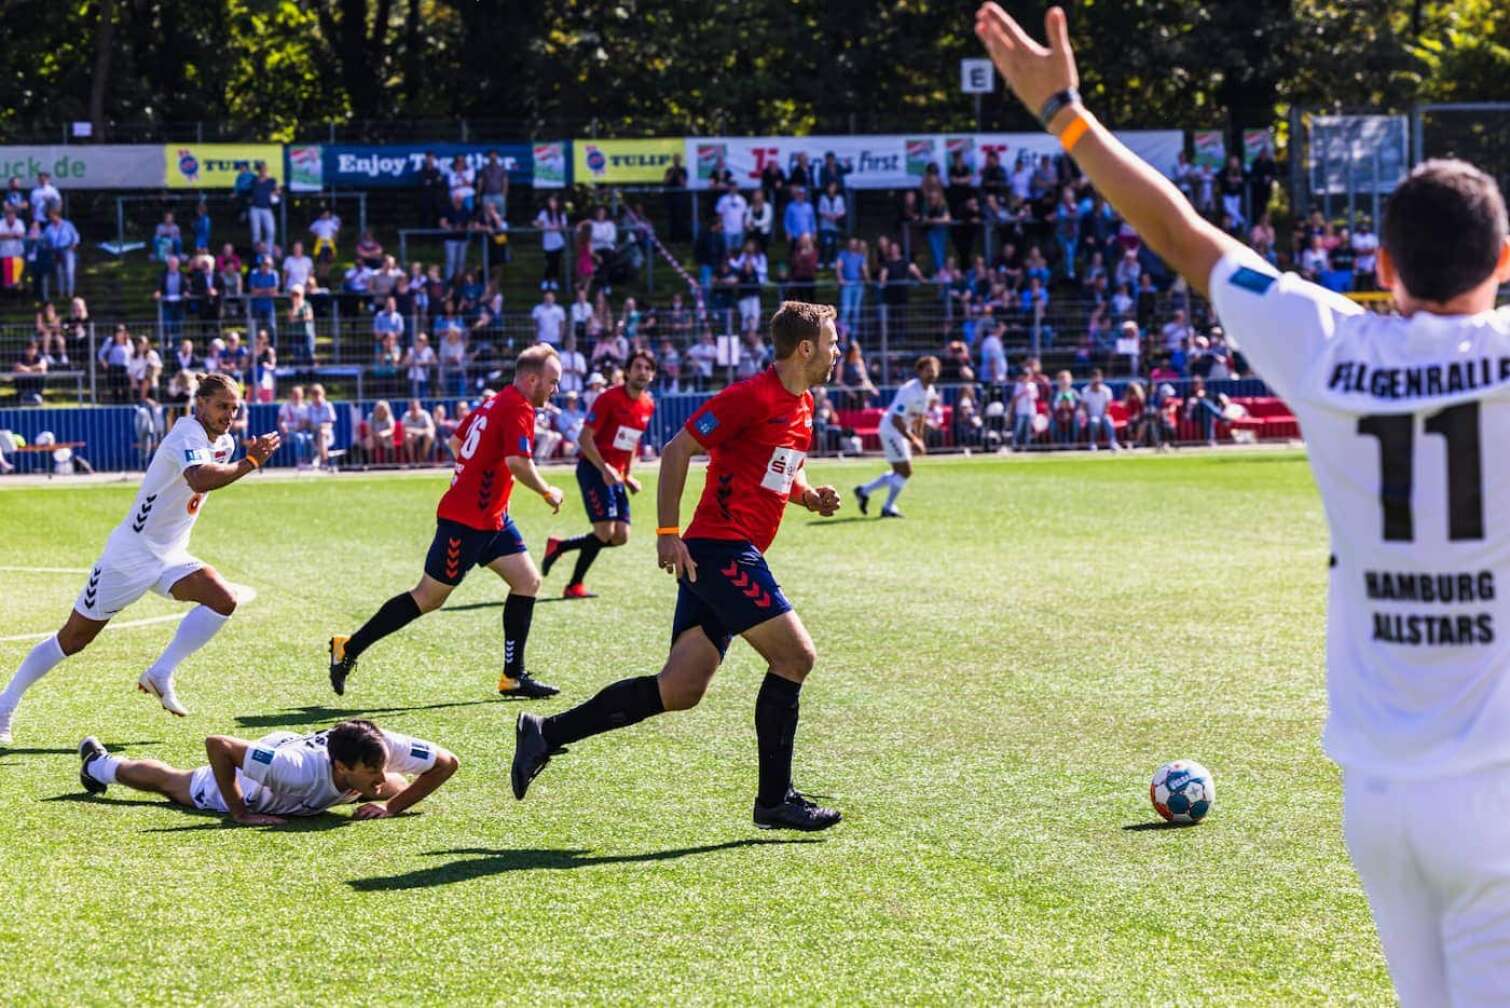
[
  {"x": 196, "y": 455},
  {"x": 524, "y": 444},
  {"x": 1251, "y": 280},
  {"x": 706, "y": 424},
  {"x": 419, "y": 752},
  {"x": 263, "y": 756}
]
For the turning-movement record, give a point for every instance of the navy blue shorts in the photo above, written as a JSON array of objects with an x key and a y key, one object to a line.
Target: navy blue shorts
[
  {"x": 603, "y": 502},
  {"x": 457, "y": 548},
  {"x": 734, "y": 591}
]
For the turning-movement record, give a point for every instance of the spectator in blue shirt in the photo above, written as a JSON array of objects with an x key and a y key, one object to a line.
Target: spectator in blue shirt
[
  {"x": 63, "y": 239},
  {"x": 201, "y": 226},
  {"x": 389, "y": 320},
  {"x": 172, "y": 288},
  {"x": 262, "y": 285},
  {"x": 854, "y": 275},
  {"x": 167, "y": 240},
  {"x": 264, "y": 195},
  {"x": 799, "y": 218}
]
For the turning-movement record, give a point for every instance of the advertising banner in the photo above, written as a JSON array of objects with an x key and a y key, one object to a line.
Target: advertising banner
[
  {"x": 86, "y": 166},
  {"x": 1210, "y": 149},
  {"x": 306, "y": 168},
  {"x": 550, "y": 164},
  {"x": 216, "y": 165},
  {"x": 623, "y": 162},
  {"x": 372, "y": 166},
  {"x": 895, "y": 162},
  {"x": 1254, "y": 143}
]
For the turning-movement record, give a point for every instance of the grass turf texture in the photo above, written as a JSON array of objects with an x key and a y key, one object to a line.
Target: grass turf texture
[{"x": 998, "y": 676}]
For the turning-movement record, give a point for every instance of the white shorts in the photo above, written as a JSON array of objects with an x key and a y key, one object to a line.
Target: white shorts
[
  {"x": 894, "y": 443},
  {"x": 204, "y": 791},
  {"x": 1434, "y": 858},
  {"x": 118, "y": 579}
]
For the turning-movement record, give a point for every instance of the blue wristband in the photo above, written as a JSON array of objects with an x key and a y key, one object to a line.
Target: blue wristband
[{"x": 1057, "y": 101}]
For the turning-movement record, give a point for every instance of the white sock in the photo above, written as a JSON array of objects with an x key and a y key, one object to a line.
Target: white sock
[
  {"x": 194, "y": 632},
  {"x": 882, "y": 480},
  {"x": 33, "y": 667},
  {"x": 898, "y": 481},
  {"x": 103, "y": 769}
]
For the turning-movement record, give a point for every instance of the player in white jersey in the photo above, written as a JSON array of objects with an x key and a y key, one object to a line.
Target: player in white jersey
[
  {"x": 149, "y": 550},
  {"x": 1401, "y": 414},
  {"x": 284, "y": 774},
  {"x": 901, "y": 432}
]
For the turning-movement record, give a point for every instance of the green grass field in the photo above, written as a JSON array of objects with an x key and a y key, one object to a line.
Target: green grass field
[{"x": 998, "y": 676}]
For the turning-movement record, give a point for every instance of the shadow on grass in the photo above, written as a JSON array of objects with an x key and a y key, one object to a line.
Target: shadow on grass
[
  {"x": 319, "y": 714},
  {"x": 491, "y": 861},
  {"x": 469, "y": 606},
  {"x": 294, "y": 824},
  {"x": 843, "y": 521},
  {"x": 73, "y": 751},
  {"x": 1144, "y": 827}
]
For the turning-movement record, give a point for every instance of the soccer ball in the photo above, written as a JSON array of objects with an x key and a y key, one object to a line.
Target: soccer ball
[{"x": 1182, "y": 791}]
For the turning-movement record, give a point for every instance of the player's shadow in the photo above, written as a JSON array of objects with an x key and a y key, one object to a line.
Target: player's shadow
[
  {"x": 469, "y": 606},
  {"x": 74, "y": 750},
  {"x": 1144, "y": 827},
  {"x": 497, "y": 861},
  {"x": 294, "y": 824},
  {"x": 821, "y": 522},
  {"x": 320, "y": 714}
]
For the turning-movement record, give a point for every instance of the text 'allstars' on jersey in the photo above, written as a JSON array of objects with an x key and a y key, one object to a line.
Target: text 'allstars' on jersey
[
  {"x": 618, "y": 422},
  {"x": 1403, "y": 420},
  {"x": 165, "y": 509},
  {"x": 479, "y": 493},
  {"x": 757, "y": 435}
]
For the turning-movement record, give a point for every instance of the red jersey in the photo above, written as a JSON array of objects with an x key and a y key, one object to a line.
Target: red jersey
[
  {"x": 757, "y": 435},
  {"x": 618, "y": 422},
  {"x": 479, "y": 493}
]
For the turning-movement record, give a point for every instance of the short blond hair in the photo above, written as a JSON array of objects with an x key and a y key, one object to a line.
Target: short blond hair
[
  {"x": 531, "y": 360},
  {"x": 796, "y": 321}
]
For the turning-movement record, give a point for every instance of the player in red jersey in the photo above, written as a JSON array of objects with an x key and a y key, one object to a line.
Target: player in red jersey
[
  {"x": 610, "y": 437},
  {"x": 757, "y": 434},
  {"x": 493, "y": 448}
]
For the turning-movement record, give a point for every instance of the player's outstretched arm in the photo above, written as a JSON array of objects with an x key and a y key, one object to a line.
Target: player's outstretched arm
[
  {"x": 1149, "y": 201},
  {"x": 671, "y": 553},
  {"x": 419, "y": 789},
  {"x": 523, "y": 468},
  {"x": 207, "y": 476},
  {"x": 226, "y": 753}
]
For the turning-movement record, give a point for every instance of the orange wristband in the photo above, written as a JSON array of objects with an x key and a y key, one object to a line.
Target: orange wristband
[
  {"x": 254, "y": 462},
  {"x": 1073, "y": 133},
  {"x": 668, "y": 530}
]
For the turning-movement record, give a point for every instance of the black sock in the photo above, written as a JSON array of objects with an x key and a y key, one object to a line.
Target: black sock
[
  {"x": 397, "y": 613},
  {"x": 775, "y": 736},
  {"x": 577, "y": 542},
  {"x": 586, "y": 557},
  {"x": 518, "y": 610},
  {"x": 626, "y": 702}
]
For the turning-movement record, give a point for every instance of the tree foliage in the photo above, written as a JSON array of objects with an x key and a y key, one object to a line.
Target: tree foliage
[{"x": 287, "y": 68}]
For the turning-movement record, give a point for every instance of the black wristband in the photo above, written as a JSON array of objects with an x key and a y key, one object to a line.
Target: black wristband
[{"x": 1057, "y": 101}]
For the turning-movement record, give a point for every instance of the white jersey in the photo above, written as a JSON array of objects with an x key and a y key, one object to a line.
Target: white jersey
[
  {"x": 912, "y": 402},
  {"x": 166, "y": 507},
  {"x": 1401, "y": 417},
  {"x": 290, "y": 774}
]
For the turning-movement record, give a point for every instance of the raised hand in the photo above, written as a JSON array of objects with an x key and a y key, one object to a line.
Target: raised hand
[{"x": 1034, "y": 72}]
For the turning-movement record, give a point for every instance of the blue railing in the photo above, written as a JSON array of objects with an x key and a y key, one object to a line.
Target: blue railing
[{"x": 111, "y": 442}]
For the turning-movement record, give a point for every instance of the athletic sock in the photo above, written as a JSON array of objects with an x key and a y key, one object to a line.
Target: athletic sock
[
  {"x": 33, "y": 667},
  {"x": 898, "y": 481},
  {"x": 194, "y": 632},
  {"x": 586, "y": 557},
  {"x": 518, "y": 610},
  {"x": 103, "y": 768},
  {"x": 397, "y": 613},
  {"x": 577, "y": 542},
  {"x": 619, "y": 705},
  {"x": 776, "y": 736},
  {"x": 882, "y": 480}
]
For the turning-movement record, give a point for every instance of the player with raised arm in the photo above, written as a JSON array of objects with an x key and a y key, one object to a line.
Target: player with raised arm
[
  {"x": 283, "y": 774},
  {"x": 757, "y": 433},
  {"x": 1400, "y": 414},
  {"x": 148, "y": 551},
  {"x": 901, "y": 433},
  {"x": 610, "y": 436},
  {"x": 493, "y": 447}
]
